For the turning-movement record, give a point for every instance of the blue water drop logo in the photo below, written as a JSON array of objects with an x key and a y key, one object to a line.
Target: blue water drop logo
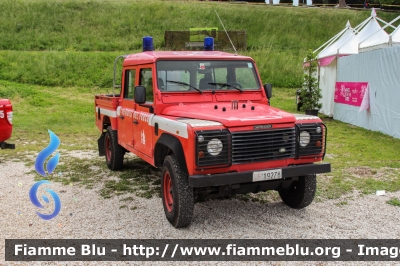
[
  {"x": 45, "y": 153},
  {"x": 35, "y": 200},
  {"x": 39, "y": 167}
]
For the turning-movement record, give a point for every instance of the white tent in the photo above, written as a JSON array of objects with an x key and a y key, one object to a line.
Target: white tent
[
  {"x": 344, "y": 43},
  {"x": 384, "y": 93},
  {"x": 395, "y": 36},
  {"x": 371, "y": 28},
  {"x": 330, "y": 51},
  {"x": 378, "y": 67},
  {"x": 327, "y": 67},
  {"x": 379, "y": 39}
]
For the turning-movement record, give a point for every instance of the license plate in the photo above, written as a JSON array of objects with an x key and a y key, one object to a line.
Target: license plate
[{"x": 267, "y": 175}]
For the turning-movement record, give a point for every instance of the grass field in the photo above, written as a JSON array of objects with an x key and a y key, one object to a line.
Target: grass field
[
  {"x": 78, "y": 38},
  {"x": 361, "y": 160},
  {"x": 57, "y": 54}
]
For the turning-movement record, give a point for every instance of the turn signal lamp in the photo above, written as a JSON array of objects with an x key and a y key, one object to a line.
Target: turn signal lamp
[
  {"x": 9, "y": 113},
  {"x": 148, "y": 44},
  {"x": 208, "y": 44}
]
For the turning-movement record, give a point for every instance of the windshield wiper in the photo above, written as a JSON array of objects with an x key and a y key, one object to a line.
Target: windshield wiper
[
  {"x": 184, "y": 83},
  {"x": 221, "y": 85}
]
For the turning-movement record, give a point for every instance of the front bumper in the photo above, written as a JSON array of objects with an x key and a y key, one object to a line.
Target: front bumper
[{"x": 247, "y": 177}]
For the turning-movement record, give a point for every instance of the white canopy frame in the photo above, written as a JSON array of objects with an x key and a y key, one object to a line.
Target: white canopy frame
[
  {"x": 394, "y": 37},
  {"x": 369, "y": 44},
  {"x": 371, "y": 23}
]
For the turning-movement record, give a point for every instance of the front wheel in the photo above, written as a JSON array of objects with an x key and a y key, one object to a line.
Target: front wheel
[
  {"x": 301, "y": 193},
  {"x": 177, "y": 195},
  {"x": 114, "y": 152}
]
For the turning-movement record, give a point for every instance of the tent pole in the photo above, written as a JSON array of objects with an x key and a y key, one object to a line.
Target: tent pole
[
  {"x": 331, "y": 40},
  {"x": 388, "y": 24},
  {"x": 362, "y": 24},
  {"x": 382, "y": 28}
]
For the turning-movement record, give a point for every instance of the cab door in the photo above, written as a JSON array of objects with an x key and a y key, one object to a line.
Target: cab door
[
  {"x": 143, "y": 132},
  {"x": 126, "y": 109}
]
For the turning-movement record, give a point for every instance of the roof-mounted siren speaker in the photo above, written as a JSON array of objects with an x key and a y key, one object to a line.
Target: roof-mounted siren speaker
[
  {"x": 148, "y": 44},
  {"x": 208, "y": 44}
]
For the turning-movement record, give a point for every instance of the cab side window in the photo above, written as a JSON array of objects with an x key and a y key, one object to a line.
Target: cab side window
[
  {"x": 129, "y": 83},
  {"x": 146, "y": 80}
]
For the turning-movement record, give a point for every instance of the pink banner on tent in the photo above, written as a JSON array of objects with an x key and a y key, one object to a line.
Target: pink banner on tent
[
  {"x": 326, "y": 61},
  {"x": 352, "y": 93},
  {"x": 365, "y": 100}
]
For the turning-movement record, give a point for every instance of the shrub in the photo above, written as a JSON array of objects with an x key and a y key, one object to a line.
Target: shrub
[{"x": 310, "y": 93}]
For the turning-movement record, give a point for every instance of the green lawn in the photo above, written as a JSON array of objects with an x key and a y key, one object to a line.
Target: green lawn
[
  {"x": 361, "y": 160},
  {"x": 87, "y": 34}
]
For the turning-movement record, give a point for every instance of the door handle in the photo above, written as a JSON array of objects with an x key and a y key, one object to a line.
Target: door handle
[
  {"x": 121, "y": 116},
  {"x": 135, "y": 122}
]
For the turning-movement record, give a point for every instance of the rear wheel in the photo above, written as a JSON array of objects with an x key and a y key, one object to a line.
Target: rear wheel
[
  {"x": 301, "y": 193},
  {"x": 177, "y": 195},
  {"x": 114, "y": 152}
]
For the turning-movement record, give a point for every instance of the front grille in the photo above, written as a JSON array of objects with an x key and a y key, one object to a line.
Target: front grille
[{"x": 258, "y": 146}]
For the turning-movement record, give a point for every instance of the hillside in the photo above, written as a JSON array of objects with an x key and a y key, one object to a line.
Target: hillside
[
  {"x": 57, "y": 54},
  {"x": 277, "y": 37}
]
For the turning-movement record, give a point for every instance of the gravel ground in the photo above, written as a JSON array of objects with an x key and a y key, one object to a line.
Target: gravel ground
[{"x": 86, "y": 215}]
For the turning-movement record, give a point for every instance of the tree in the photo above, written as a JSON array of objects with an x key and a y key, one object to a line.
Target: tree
[
  {"x": 310, "y": 93},
  {"x": 342, "y": 3}
]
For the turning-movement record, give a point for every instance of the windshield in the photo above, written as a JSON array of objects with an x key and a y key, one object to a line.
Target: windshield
[{"x": 206, "y": 75}]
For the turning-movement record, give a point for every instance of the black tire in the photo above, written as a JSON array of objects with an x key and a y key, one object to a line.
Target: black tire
[
  {"x": 177, "y": 195},
  {"x": 114, "y": 152},
  {"x": 301, "y": 193}
]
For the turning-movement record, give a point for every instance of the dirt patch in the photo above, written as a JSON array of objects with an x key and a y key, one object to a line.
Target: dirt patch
[
  {"x": 361, "y": 171},
  {"x": 365, "y": 172},
  {"x": 80, "y": 154}
]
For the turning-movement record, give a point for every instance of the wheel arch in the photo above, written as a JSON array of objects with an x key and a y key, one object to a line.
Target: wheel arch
[
  {"x": 106, "y": 122},
  {"x": 166, "y": 145}
]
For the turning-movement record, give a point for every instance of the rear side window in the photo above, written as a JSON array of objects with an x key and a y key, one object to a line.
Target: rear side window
[{"x": 129, "y": 83}]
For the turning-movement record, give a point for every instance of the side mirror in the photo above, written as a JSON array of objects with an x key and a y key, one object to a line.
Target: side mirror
[
  {"x": 268, "y": 90},
  {"x": 140, "y": 94}
]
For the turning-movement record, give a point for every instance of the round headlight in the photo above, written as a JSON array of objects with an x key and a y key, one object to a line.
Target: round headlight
[
  {"x": 214, "y": 147},
  {"x": 304, "y": 138}
]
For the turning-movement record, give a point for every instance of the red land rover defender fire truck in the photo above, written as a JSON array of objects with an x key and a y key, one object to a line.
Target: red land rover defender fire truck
[
  {"x": 205, "y": 119},
  {"x": 5, "y": 123}
]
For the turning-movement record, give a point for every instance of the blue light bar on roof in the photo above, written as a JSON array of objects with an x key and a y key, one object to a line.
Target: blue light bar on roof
[
  {"x": 208, "y": 44},
  {"x": 148, "y": 44}
]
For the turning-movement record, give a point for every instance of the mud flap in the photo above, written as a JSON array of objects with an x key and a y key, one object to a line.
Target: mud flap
[
  {"x": 5, "y": 145},
  {"x": 100, "y": 144}
]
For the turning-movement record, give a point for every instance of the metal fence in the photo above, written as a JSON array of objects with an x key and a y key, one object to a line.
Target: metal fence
[{"x": 180, "y": 40}]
